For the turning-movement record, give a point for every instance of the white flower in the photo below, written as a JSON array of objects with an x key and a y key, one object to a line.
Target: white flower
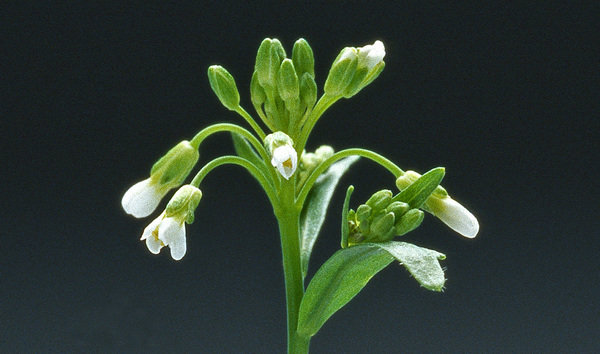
[
  {"x": 166, "y": 231},
  {"x": 285, "y": 160},
  {"x": 371, "y": 55},
  {"x": 453, "y": 214},
  {"x": 440, "y": 204},
  {"x": 142, "y": 198}
]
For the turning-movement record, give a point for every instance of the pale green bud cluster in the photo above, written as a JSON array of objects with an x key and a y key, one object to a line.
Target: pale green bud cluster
[
  {"x": 310, "y": 160},
  {"x": 184, "y": 203},
  {"x": 283, "y": 89},
  {"x": 381, "y": 218},
  {"x": 353, "y": 69},
  {"x": 174, "y": 167}
]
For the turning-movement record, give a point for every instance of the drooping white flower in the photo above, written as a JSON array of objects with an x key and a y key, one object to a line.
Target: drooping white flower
[
  {"x": 285, "y": 160},
  {"x": 142, "y": 198},
  {"x": 453, "y": 214},
  {"x": 166, "y": 231},
  {"x": 440, "y": 204},
  {"x": 371, "y": 55}
]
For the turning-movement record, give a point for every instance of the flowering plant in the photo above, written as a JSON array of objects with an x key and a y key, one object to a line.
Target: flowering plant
[{"x": 300, "y": 184}]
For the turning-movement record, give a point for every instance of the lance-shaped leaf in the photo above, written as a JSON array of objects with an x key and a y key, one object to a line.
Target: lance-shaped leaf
[
  {"x": 421, "y": 262},
  {"x": 315, "y": 207},
  {"x": 343, "y": 276},
  {"x": 417, "y": 193},
  {"x": 244, "y": 149}
]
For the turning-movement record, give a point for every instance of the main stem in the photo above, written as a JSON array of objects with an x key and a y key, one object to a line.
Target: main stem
[{"x": 288, "y": 217}]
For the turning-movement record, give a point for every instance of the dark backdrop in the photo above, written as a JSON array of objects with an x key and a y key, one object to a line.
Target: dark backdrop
[{"x": 504, "y": 96}]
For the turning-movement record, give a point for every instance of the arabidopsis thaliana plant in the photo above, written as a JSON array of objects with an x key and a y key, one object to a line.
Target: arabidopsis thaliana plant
[
  {"x": 142, "y": 198},
  {"x": 285, "y": 160},
  {"x": 166, "y": 231}
]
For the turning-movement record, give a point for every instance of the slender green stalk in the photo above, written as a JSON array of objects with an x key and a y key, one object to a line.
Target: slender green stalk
[
  {"x": 384, "y": 162},
  {"x": 324, "y": 102},
  {"x": 241, "y": 111},
  {"x": 236, "y": 160},
  {"x": 288, "y": 217}
]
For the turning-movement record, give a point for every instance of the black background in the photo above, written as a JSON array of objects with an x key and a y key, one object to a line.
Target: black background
[{"x": 504, "y": 96}]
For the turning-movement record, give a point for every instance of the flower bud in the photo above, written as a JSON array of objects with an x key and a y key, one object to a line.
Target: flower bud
[
  {"x": 409, "y": 221},
  {"x": 174, "y": 167},
  {"x": 257, "y": 93},
  {"x": 382, "y": 227},
  {"x": 184, "y": 203},
  {"x": 283, "y": 156},
  {"x": 288, "y": 81},
  {"x": 267, "y": 64},
  {"x": 302, "y": 56},
  {"x": 223, "y": 85},
  {"x": 398, "y": 208},
  {"x": 308, "y": 91},
  {"x": 380, "y": 200},
  {"x": 341, "y": 72},
  {"x": 370, "y": 64},
  {"x": 363, "y": 212}
]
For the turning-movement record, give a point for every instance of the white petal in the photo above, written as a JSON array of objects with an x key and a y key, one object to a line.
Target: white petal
[
  {"x": 141, "y": 199},
  {"x": 172, "y": 234},
  {"x": 285, "y": 160},
  {"x": 453, "y": 214},
  {"x": 153, "y": 244},
  {"x": 372, "y": 54},
  {"x": 152, "y": 227}
]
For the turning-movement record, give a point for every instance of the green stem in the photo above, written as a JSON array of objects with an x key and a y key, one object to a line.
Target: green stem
[
  {"x": 241, "y": 111},
  {"x": 386, "y": 163},
  {"x": 236, "y": 160},
  {"x": 324, "y": 102},
  {"x": 288, "y": 217}
]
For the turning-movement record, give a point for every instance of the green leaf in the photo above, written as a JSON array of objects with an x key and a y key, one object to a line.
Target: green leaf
[
  {"x": 417, "y": 193},
  {"x": 244, "y": 149},
  {"x": 345, "y": 230},
  {"x": 315, "y": 207},
  {"x": 343, "y": 276},
  {"x": 421, "y": 262}
]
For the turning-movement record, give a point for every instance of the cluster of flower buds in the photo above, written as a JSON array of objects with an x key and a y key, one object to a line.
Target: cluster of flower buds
[
  {"x": 355, "y": 68},
  {"x": 440, "y": 204},
  {"x": 283, "y": 90},
  {"x": 381, "y": 218},
  {"x": 310, "y": 160},
  {"x": 167, "y": 173}
]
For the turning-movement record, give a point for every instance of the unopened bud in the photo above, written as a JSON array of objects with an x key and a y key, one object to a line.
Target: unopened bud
[
  {"x": 303, "y": 58},
  {"x": 174, "y": 167},
  {"x": 288, "y": 81},
  {"x": 409, "y": 221},
  {"x": 223, "y": 85},
  {"x": 341, "y": 72},
  {"x": 184, "y": 203},
  {"x": 380, "y": 200}
]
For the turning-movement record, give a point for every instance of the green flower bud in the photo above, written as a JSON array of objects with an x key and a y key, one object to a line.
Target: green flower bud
[
  {"x": 223, "y": 85},
  {"x": 308, "y": 91},
  {"x": 288, "y": 81},
  {"x": 278, "y": 49},
  {"x": 302, "y": 56},
  {"x": 341, "y": 72},
  {"x": 184, "y": 203},
  {"x": 363, "y": 212},
  {"x": 174, "y": 167},
  {"x": 398, "y": 208},
  {"x": 267, "y": 64},
  {"x": 257, "y": 93},
  {"x": 409, "y": 221},
  {"x": 382, "y": 227},
  {"x": 380, "y": 200}
]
